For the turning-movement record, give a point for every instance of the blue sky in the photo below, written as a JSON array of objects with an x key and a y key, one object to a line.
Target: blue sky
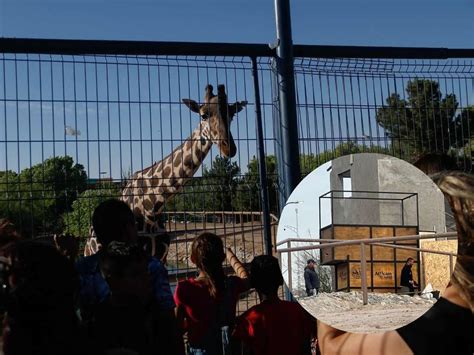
[
  {"x": 364, "y": 22},
  {"x": 367, "y": 22}
]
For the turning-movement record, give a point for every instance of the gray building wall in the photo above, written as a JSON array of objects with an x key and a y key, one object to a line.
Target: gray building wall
[{"x": 377, "y": 172}]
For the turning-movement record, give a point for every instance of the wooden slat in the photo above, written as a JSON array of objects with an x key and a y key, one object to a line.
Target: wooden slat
[
  {"x": 356, "y": 276},
  {"x": 350, "y": 233},
  {"x": 381, "y": 253}
]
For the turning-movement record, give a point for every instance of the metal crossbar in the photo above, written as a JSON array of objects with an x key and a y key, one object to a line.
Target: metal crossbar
[
  {"x": 382, "y": 242},
  {"x": 79, "y": 118}
]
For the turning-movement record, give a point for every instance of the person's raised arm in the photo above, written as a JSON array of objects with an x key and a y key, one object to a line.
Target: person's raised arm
[
  {"x": 239, "y": 269},
  {"x": 235, "y": 263}
]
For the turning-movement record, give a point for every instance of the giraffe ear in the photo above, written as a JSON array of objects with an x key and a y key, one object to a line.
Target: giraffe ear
[
  {"x": 193, "y": 105},
  {"x": 237, "y": 107}
]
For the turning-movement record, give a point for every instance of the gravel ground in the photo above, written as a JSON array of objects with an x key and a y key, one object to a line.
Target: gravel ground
[{"x": 385, "y": 311}]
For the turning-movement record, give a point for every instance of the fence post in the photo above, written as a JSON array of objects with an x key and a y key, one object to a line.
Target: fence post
[
  {"x": 289, "y": 164},
  {"x": 450, "y": 265},
  {"x": 262, "y": 169},
  {"x": 290, "y": 271},
  {"x": 363, "y": 273}
]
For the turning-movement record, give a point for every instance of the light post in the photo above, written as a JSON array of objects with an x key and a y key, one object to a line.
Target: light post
[
  {"x": 296, "y": 213},
  {"x": 290, "y": 276}
]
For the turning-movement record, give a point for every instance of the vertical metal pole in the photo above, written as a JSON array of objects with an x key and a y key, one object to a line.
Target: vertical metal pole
[
  {"x": 403, "y": 215},
  {"x": 450, "y": 265},
  {"x": 319, "y": 210},
  {"x": 289, "y": 165},
  {"x": 363, "y": 272},
  {"x": 290, "y": 278},
  {"x": 262, "y": 164},
  {"x": 348, "y": 273},
  {"x": 417, "y": 213},
  {"x": 277, "y": 133},
  {"x": 422, "y": 267}
]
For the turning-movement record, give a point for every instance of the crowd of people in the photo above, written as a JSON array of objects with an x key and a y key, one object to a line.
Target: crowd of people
[{"x": 119, "y": 300}]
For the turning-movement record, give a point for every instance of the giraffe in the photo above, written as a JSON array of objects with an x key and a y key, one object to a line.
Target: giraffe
[{"x": 149, "y": 189}]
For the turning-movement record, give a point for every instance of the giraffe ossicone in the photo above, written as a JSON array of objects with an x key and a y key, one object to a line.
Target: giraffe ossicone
[{"x": 148, "y": 190}]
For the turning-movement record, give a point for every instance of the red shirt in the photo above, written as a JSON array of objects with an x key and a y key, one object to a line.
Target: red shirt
[
  {"x": 200, "y": 308},
  {"x": 275, "y": 327}
]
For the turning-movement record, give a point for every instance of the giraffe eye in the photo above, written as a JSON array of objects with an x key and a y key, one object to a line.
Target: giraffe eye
[{"x": 205, "y": 116}]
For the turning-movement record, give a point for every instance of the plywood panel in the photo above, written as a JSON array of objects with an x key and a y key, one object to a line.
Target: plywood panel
[
  {"x": 326, "y": 233},
  {"x": 326, "y": 253},
  {"x": 400, "y": 231},
  {"x": 436, "y": 266},
  {"x": 350, "y": 233},
  {"x": 384, "y": 274},
  {"x": 402, "y": 255},
  {"x": 382, "y": 253},
  {"x": 356, "y": 275},
  {"x": 342, "y": 276}
]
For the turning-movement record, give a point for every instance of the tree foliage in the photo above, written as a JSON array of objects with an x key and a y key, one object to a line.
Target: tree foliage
[
  {"x": 78, "y": 221},
  {"x": 214, "y": 191},
  {"x": 36, "y": 198},
  {"x": 426, "y": 121}
]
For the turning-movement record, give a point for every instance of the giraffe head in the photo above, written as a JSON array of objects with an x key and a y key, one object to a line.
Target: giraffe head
[{"x": 216, "y": 116}]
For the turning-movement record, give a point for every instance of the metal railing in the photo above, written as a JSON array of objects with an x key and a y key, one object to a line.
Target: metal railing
[
  {"x": 382, "y": 242},
  {"x": 377, "y": 196},
  {"x": 73, "y": 110}
]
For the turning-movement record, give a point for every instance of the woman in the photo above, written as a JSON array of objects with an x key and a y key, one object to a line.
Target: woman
[
  {"x": 206, "y": 304},
  {"x": 40, "y": 315},
  {"x": 448, "y": 327}
]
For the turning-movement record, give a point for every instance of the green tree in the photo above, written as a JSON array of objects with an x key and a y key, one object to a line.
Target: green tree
[
  {"x": 219, "y": 184},
  {"x": 249, "y": 188},
  {"x": 79, "y": 219},
  {"x": 424, "y": 122},
  {"x": 38, "y": 196},
  {"x": 214, "y": 191},
  {"x": 311, "y": 162},
  {"x": 463, "y": 147}
]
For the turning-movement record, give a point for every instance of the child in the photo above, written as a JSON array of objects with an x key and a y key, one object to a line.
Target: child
[
  {"x": 206, "y": 305},
  {"x": 114, "y": 221},
  {"x": 125, "y": 320},
  {"x": 274, "y": 326},
  {"x": 40, "y": 313}
]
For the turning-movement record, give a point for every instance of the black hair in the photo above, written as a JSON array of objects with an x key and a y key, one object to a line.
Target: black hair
[
  {"x": 110, "y": 220},
  {"x": 265, "y": 274},
  {"x": 118, "y": 259},
  {"x": 40, "y": 311}
]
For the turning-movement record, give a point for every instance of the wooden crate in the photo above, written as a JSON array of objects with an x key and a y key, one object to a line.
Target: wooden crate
[{"x": 384, "y": 264}]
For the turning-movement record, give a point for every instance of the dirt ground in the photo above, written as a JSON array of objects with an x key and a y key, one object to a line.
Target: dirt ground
[
  {"x": 245, "y": 239},
  {"x": 384, "y": 311}
]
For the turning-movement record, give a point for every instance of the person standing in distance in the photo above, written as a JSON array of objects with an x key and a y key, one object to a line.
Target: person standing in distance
[
  {"x": 311, "y": 278},
  {"x": 407, "y": 281}
]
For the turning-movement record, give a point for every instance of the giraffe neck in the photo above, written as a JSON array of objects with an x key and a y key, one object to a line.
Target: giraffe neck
[{"x": 149, "y": 190}]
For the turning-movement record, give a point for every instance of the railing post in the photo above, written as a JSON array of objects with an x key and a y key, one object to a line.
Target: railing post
[
  {"x": 348, "y": 274},
  {"x": 289, "y": 164},
  {"x": 450, "y": 265},
  {"x": 363, "y": 272},
  {"x": 261, "y": 163},
  {"x": 290, "y": 278}
]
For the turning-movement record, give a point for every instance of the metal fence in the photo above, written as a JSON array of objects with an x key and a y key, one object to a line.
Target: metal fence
[{"x": 78, "y": 118}]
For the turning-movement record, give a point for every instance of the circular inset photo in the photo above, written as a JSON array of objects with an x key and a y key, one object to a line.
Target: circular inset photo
[{"x": 367, "y": 243}]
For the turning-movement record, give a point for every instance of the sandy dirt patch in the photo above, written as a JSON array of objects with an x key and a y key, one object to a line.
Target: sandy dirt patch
[{"x": 385, "y": 311}]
